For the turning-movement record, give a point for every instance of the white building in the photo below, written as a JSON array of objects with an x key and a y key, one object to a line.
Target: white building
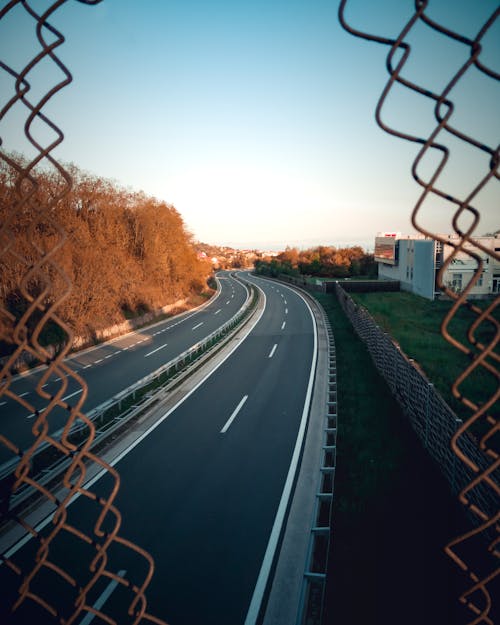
[{"x": 414, "y": 260}]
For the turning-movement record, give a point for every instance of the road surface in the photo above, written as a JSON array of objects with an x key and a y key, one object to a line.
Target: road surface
[
  {"x": 113, "y": 366},
  {"x": 202, "y": 490}
]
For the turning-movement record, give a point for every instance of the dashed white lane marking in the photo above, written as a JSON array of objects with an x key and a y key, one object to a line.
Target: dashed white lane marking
[
  {"x": 228, "y": 301},
  {"x": 155, "y": 350},
  {"x": 73, "y": 394},
  {"x": 286, "y": 311},
  {"x": 233, "y": 416},
  {"x": 271, "y": 353},
  {"x": 2, "y": 403},
  {"x": 198, "y": 325},
  {"x": 283, "y": 325},
  {"x": 24, "y": 394},
  {"x": 217, "y": 311},
  {"x": 106, "y": 593},
  {"x": 30, "y": 416},
  {"x": 87, "y": 366},
  {"x": 281, "y": 295},
  {"x": 96, "y": 362},
  {"x": 108, "y": 356},
  {"x": 284, "y": 302}
]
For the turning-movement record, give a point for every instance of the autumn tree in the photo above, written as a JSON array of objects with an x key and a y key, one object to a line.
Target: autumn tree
[{"x": 124, "y": 250}]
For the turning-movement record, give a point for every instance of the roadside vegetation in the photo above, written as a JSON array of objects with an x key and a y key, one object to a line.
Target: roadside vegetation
[
  {"x": 322, "y": 262},
  {"x": 125, "y": 253},
  {"x": 393, "y": 511},
  {"x": 414, "y": 322}
]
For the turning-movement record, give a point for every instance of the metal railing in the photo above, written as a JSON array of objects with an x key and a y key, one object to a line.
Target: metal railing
[
  {"x": 316, "y": 566},
  {"x": 118, "y": 411}
]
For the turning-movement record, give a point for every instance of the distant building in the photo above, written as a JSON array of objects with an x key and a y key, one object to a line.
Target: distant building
[{"x": 414, "y": 260}]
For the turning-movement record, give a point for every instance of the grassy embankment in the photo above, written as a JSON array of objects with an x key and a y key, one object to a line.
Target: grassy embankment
[
  {"x": 414, "y": 323},
  {"x": 393, "y": 512}
]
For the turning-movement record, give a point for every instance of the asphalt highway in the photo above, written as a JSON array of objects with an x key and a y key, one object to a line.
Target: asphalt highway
[
  {"x": 201, "y": 491},
  {"x": 113, "y": 366}
]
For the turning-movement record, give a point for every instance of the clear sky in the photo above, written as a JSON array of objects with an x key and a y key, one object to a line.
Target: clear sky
[{"x": 256, "y": 118}]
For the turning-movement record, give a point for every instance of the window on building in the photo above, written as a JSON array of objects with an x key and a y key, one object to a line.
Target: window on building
[
  {"x": 496, "y": 283},
  {"x": 456, "y": 281},
  {"x": 480, "y": 281}
]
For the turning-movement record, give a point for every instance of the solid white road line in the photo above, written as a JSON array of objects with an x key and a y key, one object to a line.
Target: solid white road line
[
  {"x": 44, "y": 522},
  {"x": 265, "y": 569},
  {"x": 155, "y": 350},
  {"x": 198, "y": 325},
  {"x": 271, "y": 353},
  {"x": 283, "y": 325},
  {"x": 73, "y": 394},
  {"x": 106, "y": 593},
  {"x": 235, "y": 412}
]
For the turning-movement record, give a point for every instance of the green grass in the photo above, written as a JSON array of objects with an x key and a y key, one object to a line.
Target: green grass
[
  {"x": 393, "y": 511},
  {"x": 414, "y": 322}
]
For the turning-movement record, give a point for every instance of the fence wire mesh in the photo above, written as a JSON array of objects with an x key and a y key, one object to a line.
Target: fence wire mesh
[
  {"x": 482, "y": 425},
  {"x": 42, "y": 287}
]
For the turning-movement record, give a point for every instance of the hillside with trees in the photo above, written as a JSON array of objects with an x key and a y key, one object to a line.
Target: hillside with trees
[
  {"x": 125, "y": 252},
  {"x": 322, "y": 261},
  {"x": 224, "y": 257}
]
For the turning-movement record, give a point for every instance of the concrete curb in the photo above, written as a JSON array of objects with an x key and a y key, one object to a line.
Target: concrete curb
[{"x": 86, "y": 350}]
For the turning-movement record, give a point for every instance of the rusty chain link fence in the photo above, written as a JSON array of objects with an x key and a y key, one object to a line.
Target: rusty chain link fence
[
  {"x": 43, "y": 286},
  {"x": 481, "y": 462}
]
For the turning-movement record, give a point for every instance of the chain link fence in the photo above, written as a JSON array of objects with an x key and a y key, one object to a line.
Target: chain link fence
[
  {"x": 477, "y": 456},
  {"x": 43, "y": 286}
]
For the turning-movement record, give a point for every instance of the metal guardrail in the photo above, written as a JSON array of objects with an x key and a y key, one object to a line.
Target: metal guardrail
[
  {"x": 312, "y": 590},
  {"x": 313, "y": 586},
  {"x": 114, "y": 414}
]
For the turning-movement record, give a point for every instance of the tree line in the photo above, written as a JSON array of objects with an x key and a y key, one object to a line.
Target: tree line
[
  {"x": 321, "y": 261},
  {"x": 125, "y": 252}
]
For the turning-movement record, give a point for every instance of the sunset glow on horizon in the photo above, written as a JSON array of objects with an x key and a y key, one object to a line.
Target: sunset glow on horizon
[{"x": 256, "y": 121}]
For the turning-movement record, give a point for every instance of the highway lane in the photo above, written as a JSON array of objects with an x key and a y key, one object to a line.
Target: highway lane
[
  {"x": 202, "y": 490},
  {"x": 113, "y": 366}
]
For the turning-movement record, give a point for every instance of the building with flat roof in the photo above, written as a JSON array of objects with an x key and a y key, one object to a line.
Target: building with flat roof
[{"x": 414, "y": 260}]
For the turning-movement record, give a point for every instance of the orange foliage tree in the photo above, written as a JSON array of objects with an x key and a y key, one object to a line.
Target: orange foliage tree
[{"x": 125, "y": 252}]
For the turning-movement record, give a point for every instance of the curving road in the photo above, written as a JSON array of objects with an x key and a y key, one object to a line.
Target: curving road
[
  {"x": 206, "y": 489},
  {"x": 113, "y": 366}
]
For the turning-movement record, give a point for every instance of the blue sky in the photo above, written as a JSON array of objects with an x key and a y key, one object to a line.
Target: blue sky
[{"x": 256, "y": 119}]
